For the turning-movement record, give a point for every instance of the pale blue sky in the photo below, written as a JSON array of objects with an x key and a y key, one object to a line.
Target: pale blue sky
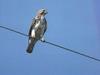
[{"x": 71, "y": 23}]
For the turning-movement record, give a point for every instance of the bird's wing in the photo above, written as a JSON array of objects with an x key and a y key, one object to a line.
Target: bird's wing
[
  {"x": 45, "y": 26},
  {"x": 32, "y": 26}
]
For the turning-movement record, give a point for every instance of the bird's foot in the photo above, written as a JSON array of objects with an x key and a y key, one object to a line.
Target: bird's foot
[{"x": 42, "y": 39}]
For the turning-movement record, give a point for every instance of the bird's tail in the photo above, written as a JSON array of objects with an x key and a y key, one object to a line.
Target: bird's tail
[{"x": 31, "y": 45}]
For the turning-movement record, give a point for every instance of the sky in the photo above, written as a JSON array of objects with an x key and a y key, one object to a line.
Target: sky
[{"x": 73, "y": 24}]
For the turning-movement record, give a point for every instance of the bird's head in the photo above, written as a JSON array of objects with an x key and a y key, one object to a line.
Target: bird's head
[{"x": 42, "y": 12}]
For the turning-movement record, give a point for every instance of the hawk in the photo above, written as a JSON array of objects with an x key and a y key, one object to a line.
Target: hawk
[{"x": 37, "y": 29}]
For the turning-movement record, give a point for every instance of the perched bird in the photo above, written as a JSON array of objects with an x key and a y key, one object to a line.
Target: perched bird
[{"x": 37, "y": 29}]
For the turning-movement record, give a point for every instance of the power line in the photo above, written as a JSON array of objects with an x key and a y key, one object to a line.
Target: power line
[
  {"x": 73, "y": 51},
  {"x": 14, "y": 31}
]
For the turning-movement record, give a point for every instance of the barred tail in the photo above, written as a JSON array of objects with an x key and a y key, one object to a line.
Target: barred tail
[{"x": 31, "y": 45}]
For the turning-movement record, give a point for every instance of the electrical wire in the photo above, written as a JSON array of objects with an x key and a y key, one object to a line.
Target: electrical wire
[
  {"x": 73, "y": 51},
  {"x": 14, "y": 31}
]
